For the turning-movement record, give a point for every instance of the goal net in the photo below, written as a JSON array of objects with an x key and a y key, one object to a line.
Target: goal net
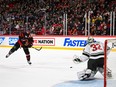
[{"x": 110, "y": 62}]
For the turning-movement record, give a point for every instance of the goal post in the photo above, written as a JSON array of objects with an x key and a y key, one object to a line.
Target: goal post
[
  {"x": 112, "y": 43},
  {"x": 105, "y": 62}
]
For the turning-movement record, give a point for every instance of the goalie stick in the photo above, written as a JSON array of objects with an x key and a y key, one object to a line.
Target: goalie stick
[{"x": 36, "y": 48}]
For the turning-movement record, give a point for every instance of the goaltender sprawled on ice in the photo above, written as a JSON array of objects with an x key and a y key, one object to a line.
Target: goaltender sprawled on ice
[{"x": 94, "y": 53}]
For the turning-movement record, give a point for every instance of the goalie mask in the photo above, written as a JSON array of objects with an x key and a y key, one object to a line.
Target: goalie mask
[{"x": 90, "y": 40}]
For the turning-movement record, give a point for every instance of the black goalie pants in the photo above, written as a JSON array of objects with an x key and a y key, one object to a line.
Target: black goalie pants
[{"x": 94, "y": 63}]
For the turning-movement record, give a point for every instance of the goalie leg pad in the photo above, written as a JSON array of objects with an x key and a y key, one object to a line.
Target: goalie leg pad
[
  {"x": 109, "y": 72},
  {"x": 86, "y": 74}
]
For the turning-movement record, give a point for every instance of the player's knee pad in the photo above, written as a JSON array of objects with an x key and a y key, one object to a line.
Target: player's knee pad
[{"x": 14, "y": 49}]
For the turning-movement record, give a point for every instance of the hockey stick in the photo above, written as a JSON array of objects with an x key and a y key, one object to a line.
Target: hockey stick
[
  {"x": 31, "y": 47},
  {"x": 36, "y": 48}
]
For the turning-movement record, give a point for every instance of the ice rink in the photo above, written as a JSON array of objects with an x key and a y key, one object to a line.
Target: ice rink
[{"x": 50, "y": 68}]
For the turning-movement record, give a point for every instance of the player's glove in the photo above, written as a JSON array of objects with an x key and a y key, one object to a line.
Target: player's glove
[
  {"x": 76, "y": 59},
  {"x": 30, "y": 45},
  {"x": 27, "y": 43}
]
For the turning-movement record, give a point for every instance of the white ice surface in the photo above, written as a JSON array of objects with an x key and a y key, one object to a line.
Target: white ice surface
[{"x": 50, "y": 68}]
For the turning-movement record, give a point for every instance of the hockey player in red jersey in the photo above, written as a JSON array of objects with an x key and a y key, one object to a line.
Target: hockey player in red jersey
[
  {"x": 25, "y": 41},
  {"x": 94, "y": 53}
]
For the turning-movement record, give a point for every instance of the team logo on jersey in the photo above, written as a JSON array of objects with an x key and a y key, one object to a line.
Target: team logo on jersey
[
  {"x": 74, "y": 43},
  {"x": 1, "y": 39},
  {"x": 12, "y": 40}
]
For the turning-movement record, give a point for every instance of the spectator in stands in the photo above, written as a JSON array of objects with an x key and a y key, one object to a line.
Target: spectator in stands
[{"x": 50, "y": 12}]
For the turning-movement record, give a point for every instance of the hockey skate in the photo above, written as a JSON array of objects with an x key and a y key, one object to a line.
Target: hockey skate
[
  {"x": 29, "y": 62},
  {"x": 7, "y": 55},
  {"x": 109, "y": 73}
]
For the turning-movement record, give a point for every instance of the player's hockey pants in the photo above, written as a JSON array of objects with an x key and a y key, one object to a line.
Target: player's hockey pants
[{"x": 94, "y": 63}]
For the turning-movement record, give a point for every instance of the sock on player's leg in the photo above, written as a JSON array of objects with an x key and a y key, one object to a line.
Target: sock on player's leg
[{"x": 28, "y": 59}]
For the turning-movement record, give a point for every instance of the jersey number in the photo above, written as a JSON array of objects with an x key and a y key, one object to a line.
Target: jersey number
[{"x": 96, "y": 47}]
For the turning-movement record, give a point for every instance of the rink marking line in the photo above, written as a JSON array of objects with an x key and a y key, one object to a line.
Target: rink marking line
[
  {"x": 51, "y": 47},
  {"x": 97, "y": 82},
  {"x": 56, "y": 48}
]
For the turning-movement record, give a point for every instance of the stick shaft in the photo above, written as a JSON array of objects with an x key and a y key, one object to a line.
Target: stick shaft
[{"x": 36, "y": 48}]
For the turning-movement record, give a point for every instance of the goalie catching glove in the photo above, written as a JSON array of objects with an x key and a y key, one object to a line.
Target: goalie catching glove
[{"x": 76, "y": 59}]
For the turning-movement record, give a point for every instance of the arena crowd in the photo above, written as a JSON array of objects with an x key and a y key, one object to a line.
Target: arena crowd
[{"x": 45, "y": 17}]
